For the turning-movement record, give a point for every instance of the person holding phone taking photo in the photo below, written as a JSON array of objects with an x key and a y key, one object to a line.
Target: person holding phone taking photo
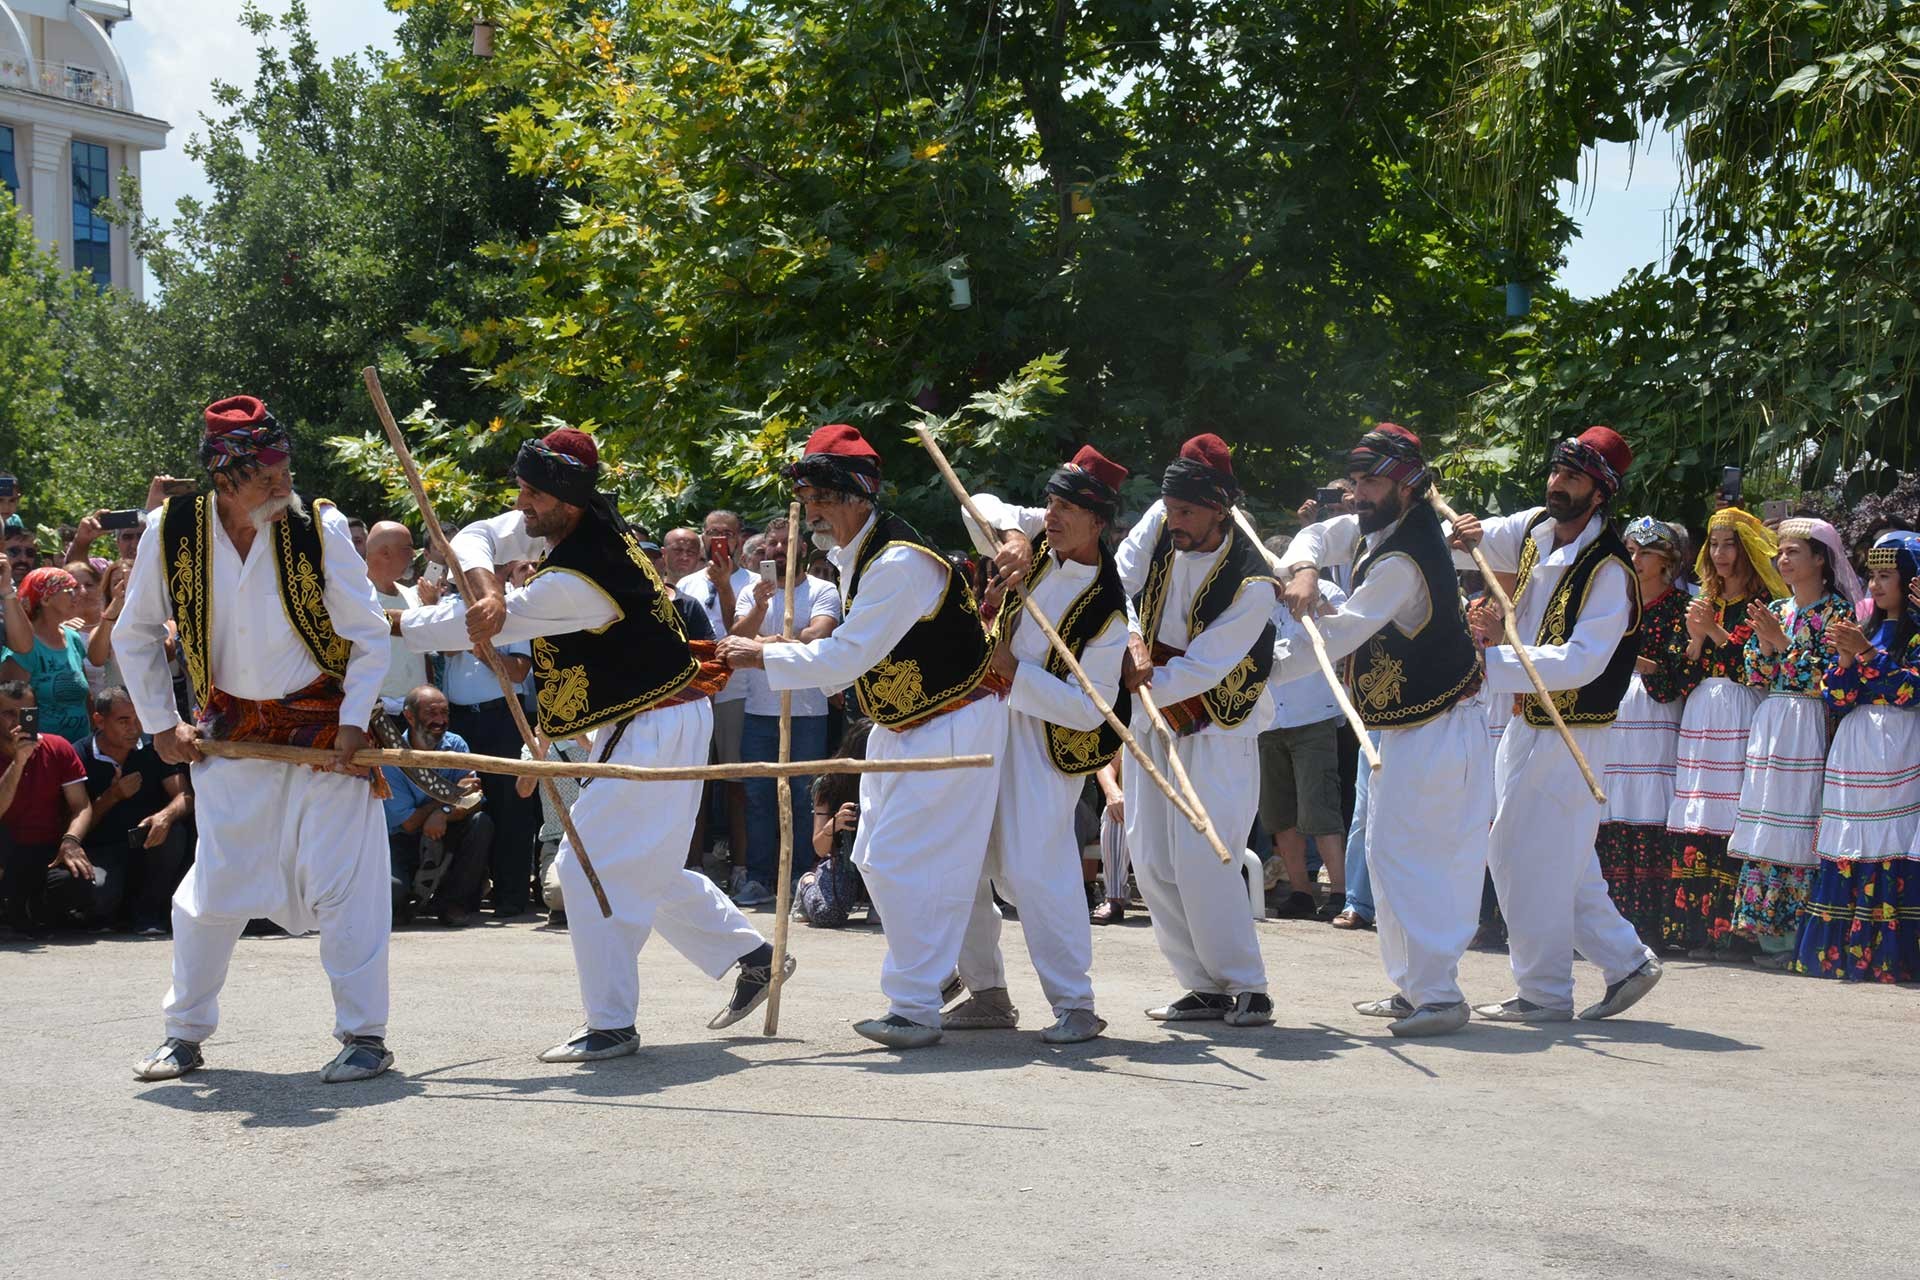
[{"x": 44, "y": 814}]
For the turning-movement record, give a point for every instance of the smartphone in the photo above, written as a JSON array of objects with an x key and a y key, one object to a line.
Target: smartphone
[
  {"x": 435, "y": 573},
  {"x": 136, "y": 837},
  {"x": 30, "y": 721},
  {"x": 769, "y": 572},
  {"x": 1730, "y": 484},
  {"x": 719, "y": 547},
  {"x": 1328, "y": 499},
  {"x": 179, "y": 488},
  {"x": 1774, "y": 510},
  {"x": 128, "y": 519}
]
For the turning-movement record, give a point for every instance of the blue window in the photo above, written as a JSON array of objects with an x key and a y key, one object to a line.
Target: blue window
[
  {"x": 92, "y": 233},
  {"x": 9, "y": 173}
]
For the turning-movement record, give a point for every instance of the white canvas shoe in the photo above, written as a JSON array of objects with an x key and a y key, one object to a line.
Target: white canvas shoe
[
  {"x": 1431, "y": 1020},
  {"x": 1623, "y": 994},
  {"x": 1516, "y": 1009}
]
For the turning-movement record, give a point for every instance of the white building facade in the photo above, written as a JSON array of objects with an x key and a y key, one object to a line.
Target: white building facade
[{"x": 69, "y": 130}]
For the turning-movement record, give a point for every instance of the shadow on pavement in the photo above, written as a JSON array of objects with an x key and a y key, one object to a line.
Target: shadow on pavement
[{"x": 265, "y": 1100}]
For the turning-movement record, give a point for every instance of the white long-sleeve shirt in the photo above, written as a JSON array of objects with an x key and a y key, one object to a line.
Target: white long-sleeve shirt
[
  {"x": 254, "y": 652},
  {"x": 1603, "y": 618},
  {"x": 1213, "y": 654},
  {"x": 901, "y": 586},
  {"x": 1394, "y": 593},
  {"x": 551, "y": 604},
  {"x": 1037, "y": 692}
]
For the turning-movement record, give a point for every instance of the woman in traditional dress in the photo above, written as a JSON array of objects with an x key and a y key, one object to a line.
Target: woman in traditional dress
[
  {"x": 1863, "y": 912},
  {"x": 1632, "y": 841},
  {"x": 1786, "y": 764},
  {"x": 1734, "y": 568}
]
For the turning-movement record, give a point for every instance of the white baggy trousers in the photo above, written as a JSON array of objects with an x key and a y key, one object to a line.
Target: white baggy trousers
[
  {"x": 921, "y": 844},
  {"x": 1035, "y": 859},
  {"x": 1428, "y": 810},
  {"x": 636, "y": 836},
  {"x": 1198, "y": 904},
  {"x": 304, "y": 849},
  {"x": 1545, "y": 868}
]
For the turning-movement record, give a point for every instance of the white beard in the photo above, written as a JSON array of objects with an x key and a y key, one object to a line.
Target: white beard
[
  {"x": 263, "y": 515},
  {"x": 824, "y": 541}
]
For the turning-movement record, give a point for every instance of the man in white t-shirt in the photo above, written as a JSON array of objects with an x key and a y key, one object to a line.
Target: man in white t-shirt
[
  {"x": 816, "y": 612},
  {"x": 1300, "y": 777},
  {"x": 390, "y": 554},
  {"x": 717, "y": 589}
]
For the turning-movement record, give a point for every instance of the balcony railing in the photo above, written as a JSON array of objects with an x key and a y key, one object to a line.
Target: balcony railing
[{"x": 72, "y": 83}]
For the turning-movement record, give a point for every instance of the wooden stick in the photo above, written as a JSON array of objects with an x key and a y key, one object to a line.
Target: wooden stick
[
  {"x": 1060, "y": 645},
  {"x": 783, "y": 892},
  {"x": 1520, "y": 651},
  {"x": 1185, "y": 799},
  {"x": 1314, "y": 638},
  {"x": 485, "y": 653},
  {"x": 220, "y": 749}
]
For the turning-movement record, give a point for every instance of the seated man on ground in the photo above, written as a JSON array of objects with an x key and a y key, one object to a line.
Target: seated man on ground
[
  {"x": 439, "y": 836},
  {"x": 135, "y": 833}
]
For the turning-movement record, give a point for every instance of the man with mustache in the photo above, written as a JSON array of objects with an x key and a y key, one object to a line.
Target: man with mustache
[
  {"x": 416, "y": 816},
  {"x": 913, "y": 648},
  {"x": 1056, "y": 737},
  {"x": 284, "y": 642},
  {"x": 1201, "y": 602},
  {"x": 1575, "y": 600},
  {"x": 610, "y": 657},
  {"x": 1415, "y": 679}
]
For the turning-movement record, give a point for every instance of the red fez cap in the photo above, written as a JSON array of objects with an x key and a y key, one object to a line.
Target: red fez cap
[
  {"x": 1209, "y": 451},
  {"x": 1100, "y": 467},
  {"x": 1611, "y": 445},
  {"x": 575, "y": 443},
  {"x": 841, "y": 440},
  {"x": 1395, "y": 429},
  {"x": 235, "y": 411}
]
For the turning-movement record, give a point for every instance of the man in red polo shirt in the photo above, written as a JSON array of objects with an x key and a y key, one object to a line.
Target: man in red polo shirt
[{"x": 43, "y": 819}]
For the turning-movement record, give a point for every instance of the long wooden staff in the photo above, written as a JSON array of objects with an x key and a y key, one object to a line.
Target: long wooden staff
[
  {"x": 485, "y": 652},
  {"x": 783, "y": 894},
  {"x": 1185, "y": 800},
  {"x": 1334, "y": 682},
  {"x": 516, "y": 768},
  {"x": 1520, "y": 651}
]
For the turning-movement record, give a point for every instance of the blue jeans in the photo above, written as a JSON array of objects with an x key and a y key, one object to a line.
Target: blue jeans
[
  {"x": 1359, "y": 887},
  {"x": 760, "y": 740}
]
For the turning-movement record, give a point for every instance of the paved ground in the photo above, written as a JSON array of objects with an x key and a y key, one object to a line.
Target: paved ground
[{"x": 1751, "y": 1125}]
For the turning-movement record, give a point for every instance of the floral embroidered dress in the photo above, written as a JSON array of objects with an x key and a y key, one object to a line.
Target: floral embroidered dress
[
  {"x": 1639, "y": 775},
  {"x": 1786, "y": 765},
  {"x": 1708, "y": 766},
  {"x": 1863, "y": 910}
]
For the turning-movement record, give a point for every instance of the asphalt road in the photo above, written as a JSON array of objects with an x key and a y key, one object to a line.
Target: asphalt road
[{"x": 1740, "y": 1124}]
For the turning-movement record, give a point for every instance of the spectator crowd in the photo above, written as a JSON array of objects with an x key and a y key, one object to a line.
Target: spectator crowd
[{"x": 1763, "y": 787}]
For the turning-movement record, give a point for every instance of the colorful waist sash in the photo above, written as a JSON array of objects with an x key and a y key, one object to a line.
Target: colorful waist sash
[{"x": 308, "y": 717}]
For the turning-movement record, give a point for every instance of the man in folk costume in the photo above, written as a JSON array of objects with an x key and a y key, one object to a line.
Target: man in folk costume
[
  {"x": 1055, "y": 738},
  {"x": 1201, "y": 601},
  {"x": 914, "y": 650},
  {"x": 1574, "y": 594},
  {"x": 1414, "y": 676},
  {"x": 609, "y": 658},
  {"x": 284, "y": 642}
]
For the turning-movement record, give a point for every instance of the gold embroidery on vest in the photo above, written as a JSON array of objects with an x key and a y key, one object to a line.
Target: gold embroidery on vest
[
  {"x": 192, "y": 602},
  {"x": 306, "y": 603},
  {"x": 563, "y": 693},
  {"x": 1379, "y": 686},
  {"x": 897, "y": 686},
  {"x": 1074, "y": 749}
]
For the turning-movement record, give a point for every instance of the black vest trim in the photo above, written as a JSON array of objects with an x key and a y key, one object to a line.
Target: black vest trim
[
  {"x": 1078, "y": 752},
  {"x": 589, "y": 678},
  {"x": 299, "y": 562},
  {"x": 943, "y": 657},
  {"x": 1239, "y": 565},
  {"x": 1401, "y": 678},
  {"x": 1598, "y": 701}
]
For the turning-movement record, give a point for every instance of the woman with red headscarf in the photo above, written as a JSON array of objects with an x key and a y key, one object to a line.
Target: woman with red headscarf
[{"x": 54, "y": 662}]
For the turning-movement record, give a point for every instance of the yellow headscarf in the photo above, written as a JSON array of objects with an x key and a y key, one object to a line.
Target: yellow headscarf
[{"x": 1755, "y": 539}]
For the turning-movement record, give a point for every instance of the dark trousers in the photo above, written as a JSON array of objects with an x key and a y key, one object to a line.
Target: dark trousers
[
  {"x": 468, "y": 845},
  {"x": 39, "y": 895},
  {"x": 140, "y": 882},
  {"x": 489, "y": 730}
]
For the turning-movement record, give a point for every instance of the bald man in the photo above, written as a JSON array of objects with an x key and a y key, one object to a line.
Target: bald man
[{"x": 389, "y": 555}]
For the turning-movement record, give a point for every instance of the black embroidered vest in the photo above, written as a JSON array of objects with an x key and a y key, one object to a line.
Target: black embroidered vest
[
  {"x": 1598, "y": 701},
  {"x": 1077, "y": 752},
  {"x": 186, "y": 545},
  {"x": 1231, "y": 701},
  {"x": 1403, "y": 678},
  {"x": 585, "y": 679},
  {"x": 942, "y": 657}
]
